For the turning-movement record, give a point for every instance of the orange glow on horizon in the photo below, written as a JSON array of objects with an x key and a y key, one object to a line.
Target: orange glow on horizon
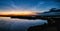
[{"x": 18, "y": 13}]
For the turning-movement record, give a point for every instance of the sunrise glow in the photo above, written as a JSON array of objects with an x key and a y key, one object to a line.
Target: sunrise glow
[{"x": 18, "y": 13}]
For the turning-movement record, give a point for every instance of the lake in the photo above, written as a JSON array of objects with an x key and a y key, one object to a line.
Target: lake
[{"x": 8, "y": 24}]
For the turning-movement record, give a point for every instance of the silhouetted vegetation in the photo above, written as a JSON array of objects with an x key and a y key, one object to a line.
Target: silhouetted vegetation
[{"x": 53, "y": 23}]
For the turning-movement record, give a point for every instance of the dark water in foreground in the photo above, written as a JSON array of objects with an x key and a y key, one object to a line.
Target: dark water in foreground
[{"x": 7, "y": 24}]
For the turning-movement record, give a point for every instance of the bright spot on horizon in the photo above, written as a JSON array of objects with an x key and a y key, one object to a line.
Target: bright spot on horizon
[{"x": 18, "y": 13}]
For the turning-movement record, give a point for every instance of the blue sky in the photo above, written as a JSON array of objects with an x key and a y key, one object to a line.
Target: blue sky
[{"x": 35, "y": 5}]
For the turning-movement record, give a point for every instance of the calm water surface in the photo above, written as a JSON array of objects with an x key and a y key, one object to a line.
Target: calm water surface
[{"x": 9, "y": 24}]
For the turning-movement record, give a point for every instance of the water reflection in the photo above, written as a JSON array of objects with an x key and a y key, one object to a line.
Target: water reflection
[{"x": 18, "y": 24}]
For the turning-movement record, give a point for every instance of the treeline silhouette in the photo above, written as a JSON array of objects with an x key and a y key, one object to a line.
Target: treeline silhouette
[{"x": 52, "y": 25}]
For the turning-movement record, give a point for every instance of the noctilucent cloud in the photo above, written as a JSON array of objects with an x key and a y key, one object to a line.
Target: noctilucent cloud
[
  {"x": 35, "y": 5},
  {"x": 19, "y": 5}
]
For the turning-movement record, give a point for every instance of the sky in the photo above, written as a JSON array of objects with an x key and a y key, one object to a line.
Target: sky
[
  {"x": 24, "y": 5},
  {"x": 30, "y": 5}
]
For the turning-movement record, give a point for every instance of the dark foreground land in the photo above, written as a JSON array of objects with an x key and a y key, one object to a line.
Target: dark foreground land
[
  {"x": 55, "y": 26},
  {"x": 42, "y": 28}
]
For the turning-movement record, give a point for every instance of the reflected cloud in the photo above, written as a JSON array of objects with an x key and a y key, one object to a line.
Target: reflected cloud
[{"x": 7, "y": 23}]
